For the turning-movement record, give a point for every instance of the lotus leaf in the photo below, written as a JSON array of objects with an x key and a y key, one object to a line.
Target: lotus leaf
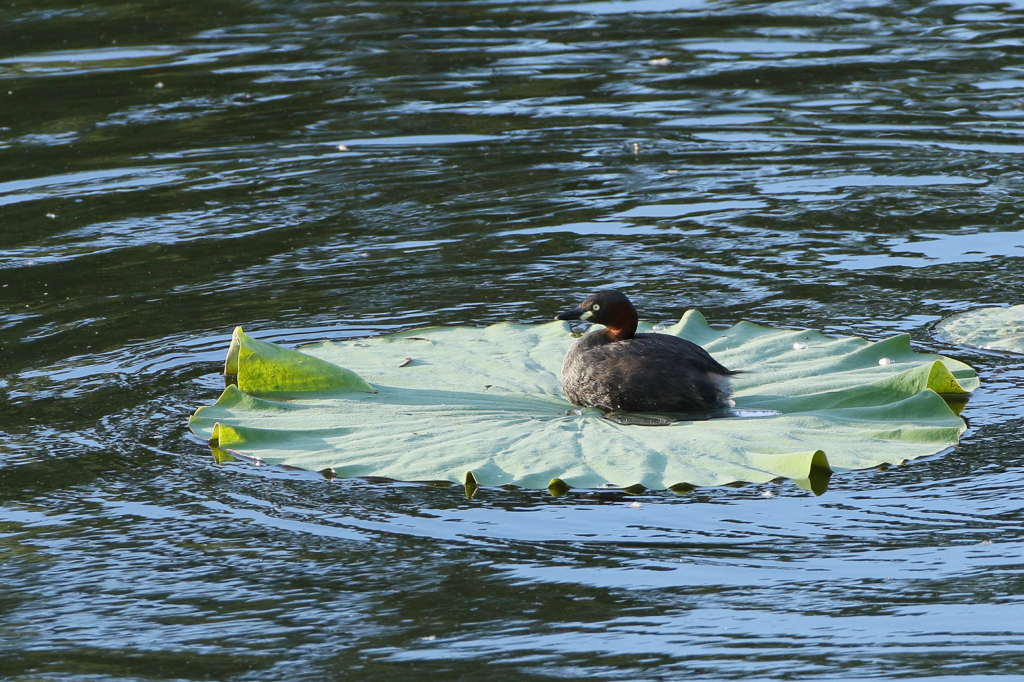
[
  {"x": 987, "y": 328},
  {"x": 438, "y": 403}
]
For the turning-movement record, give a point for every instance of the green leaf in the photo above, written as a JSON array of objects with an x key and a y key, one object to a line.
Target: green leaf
[
  {"x": 557, "y": 487},
  {"x": 451, "y": 400},
  {"x": 222, "y": 456},
  {"x": 987, "y": 328},
  {"x": 267, "y": 369},
  {"x": 471, "y": 485}
]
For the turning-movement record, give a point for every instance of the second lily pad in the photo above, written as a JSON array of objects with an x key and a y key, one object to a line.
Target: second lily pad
[{"x": 987, "y": 329}]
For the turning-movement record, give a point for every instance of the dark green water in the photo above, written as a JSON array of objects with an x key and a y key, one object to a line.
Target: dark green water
[{"x": 170, "y": 170}]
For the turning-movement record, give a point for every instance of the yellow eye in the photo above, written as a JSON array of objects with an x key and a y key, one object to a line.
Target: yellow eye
[{"x": 595, "y": 307}]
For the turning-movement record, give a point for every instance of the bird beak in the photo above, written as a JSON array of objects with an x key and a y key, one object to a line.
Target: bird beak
[{"x": 573, "y": 314}]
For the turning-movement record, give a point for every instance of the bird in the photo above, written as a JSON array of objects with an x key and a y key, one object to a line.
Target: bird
[{"x": 617, "y": 370}]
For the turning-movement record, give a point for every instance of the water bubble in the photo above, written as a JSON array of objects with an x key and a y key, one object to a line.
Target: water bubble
[
  {"x": 51, "y": 215},
  {"x": 158, "y": 86},
  {"x": 886, "y": 361},
  {"x": 672, "y": 171},
  {"x": 799, "y": 345},
  {"x": 730, "y": 403},
  {"x": 660, "y": 61},
  {"x": 342, "y": 148},
  {"x": 574, "y": 413},
  {"x": 754, "y": 414},
  {"x": 659, "y": 327}
]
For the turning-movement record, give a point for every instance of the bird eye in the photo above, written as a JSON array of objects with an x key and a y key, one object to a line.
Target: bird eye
[{"x": 595, "y": 307}]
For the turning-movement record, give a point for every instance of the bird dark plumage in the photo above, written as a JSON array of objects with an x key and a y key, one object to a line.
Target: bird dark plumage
[{"x": 618, "y": 370}]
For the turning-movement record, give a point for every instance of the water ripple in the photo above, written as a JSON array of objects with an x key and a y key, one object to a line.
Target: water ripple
[{"x": 314, "y": 170}]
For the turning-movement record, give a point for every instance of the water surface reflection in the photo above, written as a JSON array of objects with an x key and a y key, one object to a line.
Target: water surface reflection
[{"x": 314, "y": 171}]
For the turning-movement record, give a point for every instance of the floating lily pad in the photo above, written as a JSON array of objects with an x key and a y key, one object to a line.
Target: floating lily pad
[
  {"x": 987, "y": 328},
  {"x": 438, "y": 403}
]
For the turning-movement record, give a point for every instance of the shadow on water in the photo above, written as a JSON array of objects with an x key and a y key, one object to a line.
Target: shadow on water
[{"x": 321, "y": 170}]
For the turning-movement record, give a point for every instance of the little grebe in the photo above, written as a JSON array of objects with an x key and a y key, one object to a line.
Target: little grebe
[{"x": 618, "y": 370}]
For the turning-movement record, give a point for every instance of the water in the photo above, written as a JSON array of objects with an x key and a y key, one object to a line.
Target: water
[{"x": 323, "y": 170}]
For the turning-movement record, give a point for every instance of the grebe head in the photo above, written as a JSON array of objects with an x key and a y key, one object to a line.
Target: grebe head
[{"x": 610, "y": 308}]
